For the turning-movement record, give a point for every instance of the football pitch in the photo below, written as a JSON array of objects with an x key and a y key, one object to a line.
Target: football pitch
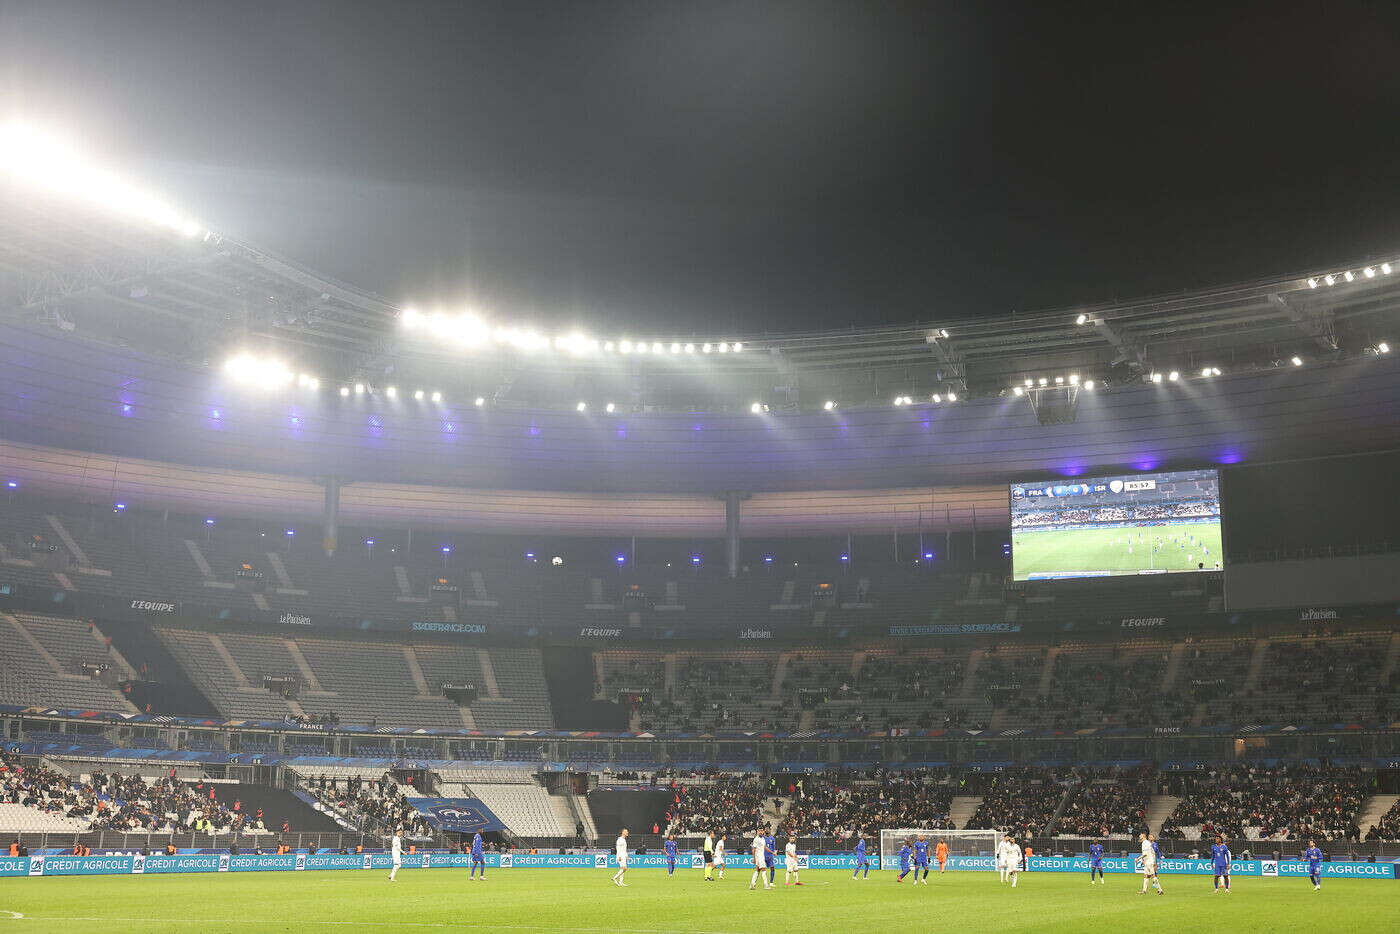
[
  {"x": 1117, "y": 550},
  {"x": 583, "y": 900}
]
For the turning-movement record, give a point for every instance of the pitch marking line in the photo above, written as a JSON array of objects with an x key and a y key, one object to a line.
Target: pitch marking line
[{"x": 16, "y": 916}]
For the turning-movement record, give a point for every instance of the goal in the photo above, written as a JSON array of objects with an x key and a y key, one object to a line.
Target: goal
[{"x": 960, "y": 843}]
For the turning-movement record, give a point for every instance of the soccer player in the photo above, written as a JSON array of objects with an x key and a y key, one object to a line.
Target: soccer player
[
  {"x": 395, "y": 853},
  {"x": 770, "y": 852},
  {"x": 478, "y": 858},
  {"x": 1220, "y": 861},
  {"x": 621, "y": 859},
  {"x": 719, "y": 856},
  {"x": 906, "y": 853},
  {"x": 670, "y": 846},
  {"x": 940, "y": 852},
  {"x": 1013, "y": 859},
  {"x": 921, "y": 859},
  {"x": 1096, "y": 862},
  {"x": 1149, "y": 865},
  {"x": 1314, "y": 857},
  {"x": 862, "y": 860},
  {"x": 759, "y": 847},
  {"x": 1001, "y": 858},
  {"x": 790, "y": 876},
  {"x": 708, "y": 850}
]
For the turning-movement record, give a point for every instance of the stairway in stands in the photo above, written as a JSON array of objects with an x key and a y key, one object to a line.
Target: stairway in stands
[
  {"x": 962, "y": 808},
  {"x": 1373, "y": 809},
  {"x": 1159, "y": 809},
  {"x": 278, "y": 805},
  {"x": 173, "y": 691}
]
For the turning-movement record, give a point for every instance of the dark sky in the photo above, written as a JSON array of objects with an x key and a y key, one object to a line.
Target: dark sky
[{"x": 749, "y": 165}]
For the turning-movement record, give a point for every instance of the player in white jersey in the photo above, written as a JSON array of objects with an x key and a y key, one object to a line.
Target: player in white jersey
[
  {"x": 719, "y": 856},
  {"x": 1000, "y": 855},
  {"x": 1012, "y": 858},
  {"x": 395, "y": 853},
  {"x": 790, "y": 875},
  {"x": 1149, "y": 865},
  {"x": 621, "y": 859},
  {"x": 760, "y": 863}
]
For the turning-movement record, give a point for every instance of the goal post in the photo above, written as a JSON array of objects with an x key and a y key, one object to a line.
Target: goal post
[{"x": 960, "y": 843}]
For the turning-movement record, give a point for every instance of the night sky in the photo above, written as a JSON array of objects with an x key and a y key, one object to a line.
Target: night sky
[{"x": 751, "y": 166}]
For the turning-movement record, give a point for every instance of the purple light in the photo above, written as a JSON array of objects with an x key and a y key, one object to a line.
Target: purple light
[
  {"x": 1072, "y": 470},
  {"x": 119, "y": 506},
  {"x": 621, "y": 559},
  {"x": 928, "y": 556},
  {"x": 126, "y": 409},
  {"x": 1147, "y": 464},
  {"x": 1230, "y": 457},
  {"x": 13, "y": 484},
  {"x": 291, "y": 532},
  {"x": 447, "y": 549},
  {"x": 845, "y": 557},
  {"x": 767, "y": 559},
  {"x": 529, "y": 556},
  {"x": 369, "y": 541},
  {"x": 217, "y": 414},
  {"x": 695, "y": 559},
  {"x": 208, "y": 521}
]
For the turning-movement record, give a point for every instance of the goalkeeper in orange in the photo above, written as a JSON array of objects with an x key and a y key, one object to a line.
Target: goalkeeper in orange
[{"x": 940, "y": 853}]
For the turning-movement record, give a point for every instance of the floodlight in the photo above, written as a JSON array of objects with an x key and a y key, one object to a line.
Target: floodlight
[
  {"x": 756, "y": 408},
  {"x": 609, "y": 408},
  {"x": 344, "y": 391},
  {"x": 1205, "y": 371},
  {"x": 723, "y": 348},
  {"x": 1173, "y": 376},
  {"x": 1044, "y": 381},
  {"x": 359, "y": 389},
  {"x": 1156, "y": 377},
  {"x": 1059, "y": 381},
  {"x": 1370, "y": 272},
  {"x": 1074, "y": 379},
  {"x": 656, "y": 347},
  {"x": 828, "y": 405},
  {"x": 437, "y": 397},
  {"x": 675, "y": 348},
  {"x": 1030, "y": 382},
  {"x": 392, "y": 392},
  {"x": 12, "y": 484},
  {"x": 1081, "y": 319},
  {"x": 1383, "y": 347},
  {"x": 1089, "y": 384},
  {"x": 705, "y": 349},
  {"x": 479, "y": 401},
  {"x": 1330, "y": 279},
  {"x": 1349, "y": 276},
  {"x": 1312, "y": 283},
  {"x": 418, "y": 395},
  {"x": 1018, "y": 390},
  {"x": 738, "y": 347},
  {"x": 936, "y": 397},
  {"x": 690, "y": 348},
  {"x": 1385, "y": 268},
  {"x": 581, "y": 407},
  {"x": 952, "y": 397}
]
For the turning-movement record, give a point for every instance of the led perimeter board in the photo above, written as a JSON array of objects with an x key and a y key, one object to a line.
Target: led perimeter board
[{"x": 1147, "y": 523}]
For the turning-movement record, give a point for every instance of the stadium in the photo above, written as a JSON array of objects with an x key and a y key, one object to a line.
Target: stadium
[{"x": 338, "y": 600}]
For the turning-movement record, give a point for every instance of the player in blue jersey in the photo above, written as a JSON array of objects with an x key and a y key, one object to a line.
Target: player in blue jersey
[
  {"x": 906, "y": 853},
  {"x": 862, "y": 860},
  {"x": 921, "y": 860},
  {"x": 478, "y": 858},
  {"x": 1096, "y": 862},
  {"x": 770, "y": 855},
  {"x": 1220, "y": 863},
  {"x": 1314, "y": 857},
  {"x": 670, "y": 854}
]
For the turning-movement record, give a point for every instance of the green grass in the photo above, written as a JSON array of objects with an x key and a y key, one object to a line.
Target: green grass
[
  {"x": 582, "y": 900},
  {"x": 1178, "y": 548}
]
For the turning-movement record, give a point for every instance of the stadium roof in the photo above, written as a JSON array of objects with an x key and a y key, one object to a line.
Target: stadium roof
[{"x": 111, "y": 279}]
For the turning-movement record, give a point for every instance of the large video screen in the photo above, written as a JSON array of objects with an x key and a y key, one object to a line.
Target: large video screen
[{"x": 1148, "y": 523}]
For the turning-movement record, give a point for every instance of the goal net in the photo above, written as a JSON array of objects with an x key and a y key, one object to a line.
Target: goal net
[{"x": 960, "y": 843}]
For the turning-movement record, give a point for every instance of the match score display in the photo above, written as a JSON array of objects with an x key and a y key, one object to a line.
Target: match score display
[{"x": 1147, "y": 523}]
